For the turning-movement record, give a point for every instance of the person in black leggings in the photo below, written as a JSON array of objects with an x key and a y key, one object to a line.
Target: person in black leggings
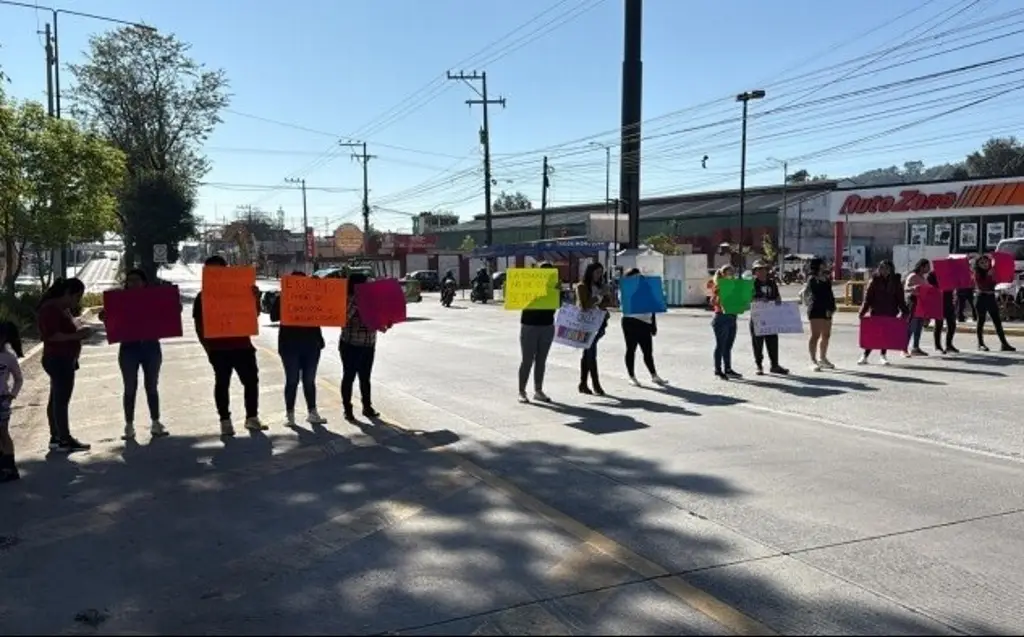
[
  {"x": 987, "y": 304},
  {"x": 949, "y": 318},
  {"x": 639, "y": 330}
]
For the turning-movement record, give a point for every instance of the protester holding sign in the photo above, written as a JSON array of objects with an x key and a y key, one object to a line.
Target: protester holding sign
[
  {"x": 765, "y": 291},
  {"x": 723, "y": 325},
  {"x": 536, "y": 332},
  {"x": 592, "y": 293},
  {"x": 987, "y": 304},
  {"x": 299, "y": 347},
  {"x": 357, "y": 346},
  {"x": 948, "y": 316},
  {"x": 229, "y": 355},
  {"x": 133, "y": 356},
  {"x": 62, "y": 340},
  {"x": 915, "y": 279},
  {"x": 639, "y": 331},
  {"x": 883, "y": 297},
  {"x": 820, "y": 301}
]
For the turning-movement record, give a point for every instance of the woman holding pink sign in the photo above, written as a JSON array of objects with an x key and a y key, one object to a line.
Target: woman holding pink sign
[
  {"x": 916, "y": 279},
  {"x": 987, "y": 304},
  {"x": 884, "y": 297},
  {"x": 948, "y": 317},
  {"x": 358, "y": 346}
]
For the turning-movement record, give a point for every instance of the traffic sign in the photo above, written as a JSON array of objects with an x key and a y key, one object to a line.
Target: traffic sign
[{"x": 160, "y": 253}]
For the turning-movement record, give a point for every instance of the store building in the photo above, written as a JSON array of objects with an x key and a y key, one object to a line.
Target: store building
[
  {"x": 702, "y": 220},
  {"x": 963, "y": 216}
]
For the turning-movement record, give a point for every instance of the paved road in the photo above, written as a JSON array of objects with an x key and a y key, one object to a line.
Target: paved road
[
  {"x": 99, "y": 274},
  {"x": 864, "y": 501}
]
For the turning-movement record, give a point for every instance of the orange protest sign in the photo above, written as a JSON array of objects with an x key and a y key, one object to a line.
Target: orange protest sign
[
  {"x": 308, "y": 302},
  {"x": 229, "y": 303}
]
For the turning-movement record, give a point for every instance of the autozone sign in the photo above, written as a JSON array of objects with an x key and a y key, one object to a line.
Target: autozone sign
[{"x": 916, "y": 200}]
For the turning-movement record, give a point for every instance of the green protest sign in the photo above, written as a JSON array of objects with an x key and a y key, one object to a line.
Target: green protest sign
[{"x": 734, "y": 295}]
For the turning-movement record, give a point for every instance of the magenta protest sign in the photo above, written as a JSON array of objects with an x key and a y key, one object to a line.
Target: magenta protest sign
[
  {"x": 929, "y": 303},
  {"x": 953, "y": 274},
  {"x": 142, "y": 314},
  {"x": 883, "y": 332},
  {"x": 381, "y": 303}
]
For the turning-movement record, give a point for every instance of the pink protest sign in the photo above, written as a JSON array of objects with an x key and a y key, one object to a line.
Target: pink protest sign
[
  {"x": 929, "y": 303},
  {"x": 381, "y": 303},
  {"x": 953, "y": 274},
  {"x": 142, "y": 314},
  {"x": 883, "y": 332},
  {"x": 1003, "y": 268}
]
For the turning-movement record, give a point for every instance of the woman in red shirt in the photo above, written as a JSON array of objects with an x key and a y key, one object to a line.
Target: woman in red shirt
[{"x": 62, "y": 344}]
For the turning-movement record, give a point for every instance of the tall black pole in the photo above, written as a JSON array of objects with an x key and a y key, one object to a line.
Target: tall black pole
[
  {"x": 743, "y": 175},
  {"x": 632, "y": 94}
]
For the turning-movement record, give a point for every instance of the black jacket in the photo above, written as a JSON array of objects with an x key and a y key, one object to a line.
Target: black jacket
[
  {"x": 767, "y": 290},
  {"x": 295, "y": 338}
]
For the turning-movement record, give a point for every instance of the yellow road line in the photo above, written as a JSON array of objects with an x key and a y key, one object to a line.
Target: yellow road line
[{"x": 701, "y": 601}]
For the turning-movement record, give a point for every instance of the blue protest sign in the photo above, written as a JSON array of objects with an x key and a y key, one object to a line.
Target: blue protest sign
[{"x": 642, "y": 295}]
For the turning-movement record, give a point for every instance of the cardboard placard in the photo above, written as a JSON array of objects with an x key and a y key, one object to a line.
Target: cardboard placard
[
  {"x": 142, "y": 314},
  {"x": 578, "y": 328},
  {"x": 884, "y": 332},
  {"x": 770, "y": 318},
  {"x": 309, "y": 302},
  {"x": 229, "y": 304},
  {"x": 929, "y": 303},
  {"x": 735, "y": 295},
  {"x": 532, "y": 289},
  {"x": 381, "y": 303},
  {"x": 1003, "y": 267},
  {"x": 953, "y": 274},
  {"x": 641, "y": 294}
]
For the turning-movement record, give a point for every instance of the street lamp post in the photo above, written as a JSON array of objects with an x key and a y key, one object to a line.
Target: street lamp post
[
  {"x": 745, "y": 98},
  {"x": 607, "y": 197},
  {"x": 785, "y": 205},
  {"x": 305, "y": 220}
]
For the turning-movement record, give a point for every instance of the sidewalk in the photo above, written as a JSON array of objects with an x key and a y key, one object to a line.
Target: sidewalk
[{"x": 337, "y": 529}]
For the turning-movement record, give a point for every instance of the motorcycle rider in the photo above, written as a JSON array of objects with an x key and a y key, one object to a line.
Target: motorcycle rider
[
  {"x": 482, "y": 283},
  {"x": 448, "y": 287},
  {"x": 448, "y": 276}
]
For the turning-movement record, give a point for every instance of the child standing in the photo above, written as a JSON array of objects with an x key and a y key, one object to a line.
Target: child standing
[{"x": 10, "y": 384}]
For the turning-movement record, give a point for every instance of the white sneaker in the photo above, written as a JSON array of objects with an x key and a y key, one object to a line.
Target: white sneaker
[
  {"x": 314, "y": 418},
  {"x": 129, "y": 431},
  {"x": 863, "y": 360},
  {"x": 541, "y": 396},
  {"x": 254, "y": 424},
  {"x": 289, "y": 419},
  {"x": 826, "y": 364},
  {"x": 815, "y": 366},
  {"x": 884, "y": 360},
  {"x": 633, "y": 381},
  {"x": 658, "y": 380},
  {"x": 157, "y": 429},
  {"x": 523, "y": 398},
  {"x": 226, "y": 428}
]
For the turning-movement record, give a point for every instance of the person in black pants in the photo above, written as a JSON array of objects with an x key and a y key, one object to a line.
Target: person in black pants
[
  {"x": 62, "y": 344},
  {"x": 639, "y": 330},
  {"x": 358, "y": 348},
  {"x": 949, "y": 310},
  {"x": 766, "y": 290},
  {"x": 987, "y": 303}
]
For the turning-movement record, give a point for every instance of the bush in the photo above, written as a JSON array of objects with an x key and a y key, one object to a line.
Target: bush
[
  {"x": 92, "y": 299},
  {"x": 20, "y": 310}
]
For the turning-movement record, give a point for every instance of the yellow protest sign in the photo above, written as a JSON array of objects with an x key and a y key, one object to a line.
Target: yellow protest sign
[
  {"x": 309, "y": 302},
  {"x": 230, "y": 305},
  {"x": 532, "y": 289}
]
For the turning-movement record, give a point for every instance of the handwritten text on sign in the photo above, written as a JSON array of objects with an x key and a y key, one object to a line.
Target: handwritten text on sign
[
  {"x": 229, "y": 303},
  {"x": 308, "y": 302},
  {"x": 532, "y": 289}
]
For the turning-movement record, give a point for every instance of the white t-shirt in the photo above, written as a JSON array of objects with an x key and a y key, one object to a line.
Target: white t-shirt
[{"x": 11, "y": 379}]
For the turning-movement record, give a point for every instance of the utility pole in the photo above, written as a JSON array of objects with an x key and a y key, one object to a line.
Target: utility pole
[
  {"x": 305, "y": 221},
  {"x": 545, "y": 184},
  {"x": 632, "y": 112},
  {"x": 485, "y": 139},
  {"x": 365, "y": 160}
]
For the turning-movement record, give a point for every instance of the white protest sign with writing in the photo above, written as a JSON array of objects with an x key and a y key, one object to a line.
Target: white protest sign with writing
[
  {"x": 578, "y": 328},
  {"x": 773, "y": 318}
]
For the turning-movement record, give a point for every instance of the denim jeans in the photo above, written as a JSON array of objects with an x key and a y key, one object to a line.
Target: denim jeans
[
  {"x": 147, "y": 356},
  {"x": 914, "y": 329},
  {"x": 61, "y": 370},
  {"x": 724, "y": 327},
  {"x": 300, "y": 364}
]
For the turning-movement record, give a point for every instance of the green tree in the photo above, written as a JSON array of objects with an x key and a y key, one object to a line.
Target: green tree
[
  {"x": 468, "y": 244},
  {"x": 768, "y": 248},
  {"x": 511, "y": 202},
  {"x": 998, "y": 157},
  {"x": 58, "y": 184},
  {"x": 663, "y": 243},
  {"x": 144, "y": 92}
]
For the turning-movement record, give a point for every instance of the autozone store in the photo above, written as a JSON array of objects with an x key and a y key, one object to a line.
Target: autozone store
[{"x": 965, "y": 216}]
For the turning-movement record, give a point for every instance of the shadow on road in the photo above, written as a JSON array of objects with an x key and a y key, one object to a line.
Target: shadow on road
[{"x": 337, "y": 534}]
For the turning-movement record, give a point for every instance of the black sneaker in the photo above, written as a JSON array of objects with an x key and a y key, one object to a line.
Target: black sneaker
[
  {"x": 951, "y": 350},
  {"x": 779, "y": 370},
  {"x": 982, "y": 347},
  {"x": 370, "y": 412},
  {"x": 760, "y": 370},
  {"x": 733, "y": 374},
  {"x": 350, "y": 415},
  {"x": 721, "y": 375},
  {"x": 1007, "y": 348},
  {"x": 71, "y": 445}
]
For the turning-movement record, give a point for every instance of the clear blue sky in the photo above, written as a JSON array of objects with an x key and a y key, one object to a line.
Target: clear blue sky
[{"x": 338, "y": 66}]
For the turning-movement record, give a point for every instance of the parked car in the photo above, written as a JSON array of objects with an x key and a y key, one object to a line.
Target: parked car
[{"x": 428, "y": 280}]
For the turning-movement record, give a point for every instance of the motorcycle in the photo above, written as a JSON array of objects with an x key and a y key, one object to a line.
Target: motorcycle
[
  {"x": 448, "y": 293},
  {"x": 481, "y": 292}
]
